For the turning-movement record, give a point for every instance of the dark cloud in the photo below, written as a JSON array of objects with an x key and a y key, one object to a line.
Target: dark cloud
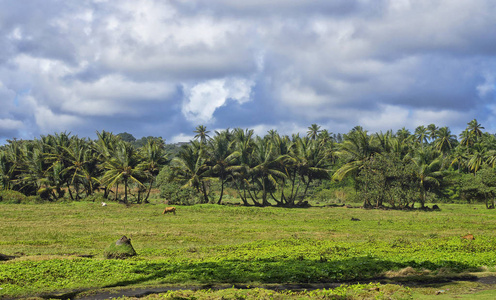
[{"x": 162, "y": 68}]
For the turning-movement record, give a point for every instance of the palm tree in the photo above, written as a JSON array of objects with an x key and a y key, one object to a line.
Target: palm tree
[
  {"x": 313, "y": 131},
  {"x": 471, "y": 134},
  {"x": 12, "y": 164},
  {"x": 355, "y": 150},
  {"x": 445, "y": 141},
  {"x": 357, "y": 147},
  {"x": 477, "y": 158},
  {"x": 153, "y": 158},
  {"x": 80, "y": 158},
  {"x": 265, "y": 170},
  {"x": 403, "y": 134},
  {"x": 122, "y": 167},
  {"x": 432, "y": 131},
  {"x": 202, "y": 134},
  {"x": 428, "y": 165},
  {"x": 190, "y": 167},
  {"x": 475, "y": 129},
  {"x": 104, "y": 148},
  {"x": 421, "y": 135},
  {"x": 221, "y": 159},
  {"x": 244, "y": 145},
  {"x": 312, "y": 162}
]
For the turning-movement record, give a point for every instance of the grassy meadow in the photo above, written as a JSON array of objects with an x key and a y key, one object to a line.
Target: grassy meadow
[{"x": 212, "y": 246}]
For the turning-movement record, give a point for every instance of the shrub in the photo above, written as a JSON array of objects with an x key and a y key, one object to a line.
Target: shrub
[
  {"x": 173, "y": 191},
  {"x": 12, "y": 197}
]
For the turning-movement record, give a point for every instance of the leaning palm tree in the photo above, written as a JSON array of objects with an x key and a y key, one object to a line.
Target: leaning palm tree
[
  {"x": 357, "y": 147},
  {"x": 122, "y": 167}
]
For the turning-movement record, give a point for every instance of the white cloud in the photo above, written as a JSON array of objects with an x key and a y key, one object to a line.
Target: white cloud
[
  {"x": 9, "y": 124},
  {"x": 181, "y": 138},
  {"x": 384, "y": 64},
  {"x": 203, "y": 99}
]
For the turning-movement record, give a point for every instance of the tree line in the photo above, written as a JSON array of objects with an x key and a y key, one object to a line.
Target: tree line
[{"x": 398, "y": 169}]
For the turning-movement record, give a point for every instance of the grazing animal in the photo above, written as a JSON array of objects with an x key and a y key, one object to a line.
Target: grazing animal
[
  {"x": 104, "y": 204},
  {"x": 171, "y": 209},
  {"x": 468, "y": 237},
  {"x": 355, "y": 219}
]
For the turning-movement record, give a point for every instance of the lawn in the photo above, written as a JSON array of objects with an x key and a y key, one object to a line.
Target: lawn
[{"x": 212, "y": 246}]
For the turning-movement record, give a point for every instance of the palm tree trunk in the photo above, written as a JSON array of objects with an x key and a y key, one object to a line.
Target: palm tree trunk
[
  {"x": 221, "y": 191},
  {"x": 125, "y": 191},
  {"x": 204, "y": 189},
  {"x": 69, "y": 189},
  {"x": 148, "y": 193}
]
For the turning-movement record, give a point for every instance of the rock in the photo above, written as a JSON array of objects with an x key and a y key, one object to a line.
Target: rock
[
  {"x": 121, "y": 249},
  {"x": 6, "y": 257}
]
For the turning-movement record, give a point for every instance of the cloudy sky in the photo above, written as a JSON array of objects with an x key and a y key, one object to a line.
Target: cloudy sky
[{"x": 161, "y": 68}]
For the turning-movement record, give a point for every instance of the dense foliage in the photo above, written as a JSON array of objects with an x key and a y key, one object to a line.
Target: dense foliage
[{"x": 396, "y": 169}]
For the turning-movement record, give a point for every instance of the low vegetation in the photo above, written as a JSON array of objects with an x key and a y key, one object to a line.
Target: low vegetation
[{"x": 60, "y": 248}]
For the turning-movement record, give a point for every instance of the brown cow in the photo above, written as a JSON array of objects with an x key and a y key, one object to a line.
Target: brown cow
[
  {"x": 468, "y": 237},
  {"x": 171, "y": 209}
]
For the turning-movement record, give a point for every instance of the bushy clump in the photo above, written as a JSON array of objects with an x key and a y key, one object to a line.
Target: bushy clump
[
  {"x": 96, "y": 198},
  {"x": 12, "y": 197},
  {"x": 173, "y": 191}
]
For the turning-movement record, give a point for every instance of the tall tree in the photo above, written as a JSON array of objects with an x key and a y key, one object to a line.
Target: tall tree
[
  {"x": 190, "y": 167},
  {"x": 153, "y": 159},
  {"x": 202, "y": 134},
  {"x": 313, "y": 131},
  {"x": 221, "y": 159},
  {"x": 122, "y": 167}
]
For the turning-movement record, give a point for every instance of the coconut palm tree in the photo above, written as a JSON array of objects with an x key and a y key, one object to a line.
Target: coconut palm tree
[
  {"x": 421, "y": 135},
  {"x": 428, "y": 166},
  {"x": 190, "y": 167},
  {"x": 202, "y": 134},
  {"x": 122, "y": 167},
  {"x": 312, "y": 162},
  {"x": 356, "y": 147},
  {"x": 265, "y": 172},
  {"x": 445, "y": 141},
  {"x": 432, "y": 131},
  {"x": 313, "y": 131},
  {"x": 221, "y": 159},
  {"x": 244, "y": 145},
  {"x": 153, "y": 159}
]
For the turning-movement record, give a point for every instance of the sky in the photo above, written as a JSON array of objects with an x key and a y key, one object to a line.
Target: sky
[{"x": 161, "y": 68}]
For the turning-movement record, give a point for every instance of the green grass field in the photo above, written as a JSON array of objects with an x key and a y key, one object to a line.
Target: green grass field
[{"x": 211, "y": 245}]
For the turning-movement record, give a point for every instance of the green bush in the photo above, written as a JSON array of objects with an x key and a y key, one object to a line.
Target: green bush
[
  {"x": 12, "y": 197},
  {"x": 175, "y": 192}
]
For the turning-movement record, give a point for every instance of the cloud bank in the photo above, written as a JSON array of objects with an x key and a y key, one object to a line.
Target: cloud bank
[{"x": 161, "y": 68}]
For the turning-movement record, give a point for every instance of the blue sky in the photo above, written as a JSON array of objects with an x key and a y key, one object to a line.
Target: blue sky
[{"x": 161, "y": 68}]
